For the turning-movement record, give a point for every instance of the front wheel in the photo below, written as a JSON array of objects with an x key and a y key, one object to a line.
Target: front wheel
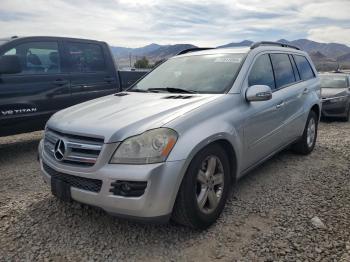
[
  {"x": 347, "y": 117},
  {"x": 307, "y": 142},
  {"x": 204, "y": 189}
]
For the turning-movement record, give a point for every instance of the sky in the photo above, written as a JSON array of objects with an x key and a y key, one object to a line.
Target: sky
[{"x": 135, "y": 23}]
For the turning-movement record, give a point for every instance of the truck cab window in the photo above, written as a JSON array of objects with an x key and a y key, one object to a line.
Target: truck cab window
[
  {"x": 86, "y": 57},
  {"x": 37, "y": 57}
]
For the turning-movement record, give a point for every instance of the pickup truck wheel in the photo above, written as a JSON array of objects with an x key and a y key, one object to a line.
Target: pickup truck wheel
[
  {"x": 204, "y": 189},
  {"x": 308, "y": 140}
]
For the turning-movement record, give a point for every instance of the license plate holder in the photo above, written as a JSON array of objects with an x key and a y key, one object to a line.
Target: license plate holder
[{"x": 61, "y": 189}]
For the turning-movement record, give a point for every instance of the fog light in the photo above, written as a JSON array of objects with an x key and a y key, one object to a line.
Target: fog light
[
  {"x": 128, "y": 188},
  {"x": 125, "y": 187}
]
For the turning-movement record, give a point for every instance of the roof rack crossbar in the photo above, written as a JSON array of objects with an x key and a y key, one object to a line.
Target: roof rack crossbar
[
  {"x": 257, "y": 44},
  {"x": 195, "y": 49}
]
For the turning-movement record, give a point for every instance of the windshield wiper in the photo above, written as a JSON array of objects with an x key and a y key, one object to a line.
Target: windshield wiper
[
  {"x": 172, "y": 90},
  {"x": 137, "y": 90}
]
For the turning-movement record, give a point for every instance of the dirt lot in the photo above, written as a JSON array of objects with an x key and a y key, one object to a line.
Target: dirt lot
[{"x": 267, "y": 218}]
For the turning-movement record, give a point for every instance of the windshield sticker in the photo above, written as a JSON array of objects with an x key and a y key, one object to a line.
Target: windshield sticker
[
  {"x": 338, "y": 78},
  {"x": 177, "y": 73},
  {"x": 227, "y": 60}
]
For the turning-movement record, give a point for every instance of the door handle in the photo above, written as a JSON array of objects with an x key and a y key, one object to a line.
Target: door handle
[
  {"x": 109, "y": 79},
  {"x": 278, "y": 106},
  {"x": 60, "y": 82},
  {"x": 305, "y": 91}
]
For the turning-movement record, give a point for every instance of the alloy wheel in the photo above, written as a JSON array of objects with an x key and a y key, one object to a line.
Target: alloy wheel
[{"x": 210, "y": 184}]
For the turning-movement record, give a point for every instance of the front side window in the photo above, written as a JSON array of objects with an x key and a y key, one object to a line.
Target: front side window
[
  {"x": 212, "y": 74},
  {"x": 283, "y": 69},
  {"x": 261, "y": 73},
  {"x": 37, "y": 57},
  {"x": 304, "y": 67},
  {"x": 86, "y": 57}
]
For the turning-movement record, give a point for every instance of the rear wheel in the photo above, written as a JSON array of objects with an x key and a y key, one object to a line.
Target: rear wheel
[
  {"x": 308, "y": 140},
  {"x": 204, "y": 189}
]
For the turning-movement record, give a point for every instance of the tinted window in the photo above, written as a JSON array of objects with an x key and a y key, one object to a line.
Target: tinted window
[
  {"x": 261, "y": 73},
  {"x": 86, "y": 57},
  {"x": 304, "y": 67},
  {"x": 283, "y": 69},
  {"x": 37, "y": 57}
]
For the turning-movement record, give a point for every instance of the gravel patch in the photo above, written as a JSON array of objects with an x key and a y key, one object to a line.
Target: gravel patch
[{"x": 292, "y": 208}]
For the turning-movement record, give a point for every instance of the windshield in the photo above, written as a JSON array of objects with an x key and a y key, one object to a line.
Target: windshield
[
  {"x": 333, "y": 81},
  {"x": 211, "y": 74}
]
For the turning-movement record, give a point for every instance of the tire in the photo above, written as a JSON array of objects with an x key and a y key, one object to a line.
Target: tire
[
  {"x": 187, "y": 210},
  {"x": 347, "y": 118},
  {"x": 304, "y": 146}
]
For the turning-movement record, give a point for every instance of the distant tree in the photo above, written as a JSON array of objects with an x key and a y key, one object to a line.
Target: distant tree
[
  {"x": 142, "y": 63},
  {"x": 156, "y": 63}
]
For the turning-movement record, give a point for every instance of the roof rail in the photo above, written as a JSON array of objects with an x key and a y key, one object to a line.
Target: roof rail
[
  {"x": 257, "y": 44},
  {"x": 194, "y": 49}
]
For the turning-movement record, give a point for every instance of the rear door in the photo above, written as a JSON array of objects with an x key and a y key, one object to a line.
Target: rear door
[
  {"x": 297, "y": 95},
  {"x": 27, "y": 99},
  {"x": 92, "y": 74}
]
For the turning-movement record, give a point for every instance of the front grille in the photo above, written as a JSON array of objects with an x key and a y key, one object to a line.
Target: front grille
[
  {"x": 88, "y": 184},
  {"x": 79, "y": 150}
]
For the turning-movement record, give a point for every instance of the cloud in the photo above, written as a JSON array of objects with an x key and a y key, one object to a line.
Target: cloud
[
  {"x": 329, "y": 34},
  {"x": 207, "y": 23}
]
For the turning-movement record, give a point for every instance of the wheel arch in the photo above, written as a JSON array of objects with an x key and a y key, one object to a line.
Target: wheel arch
[{"x": 316, "y": 108}]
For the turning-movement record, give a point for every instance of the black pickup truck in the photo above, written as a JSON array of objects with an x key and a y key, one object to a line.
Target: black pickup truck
[{"x": 41, "y": 75}]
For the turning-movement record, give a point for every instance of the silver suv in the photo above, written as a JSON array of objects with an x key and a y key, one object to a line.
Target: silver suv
[{"x": 174, "y": 144}]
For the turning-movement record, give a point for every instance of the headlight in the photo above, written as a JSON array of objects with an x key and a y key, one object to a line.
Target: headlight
[{"x": 152, "y": 146}]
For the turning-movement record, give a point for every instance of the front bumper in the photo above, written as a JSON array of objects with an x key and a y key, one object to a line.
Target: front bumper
[
  {"x": 163, "y": 181},
  {"x": 334, "y": 109}
]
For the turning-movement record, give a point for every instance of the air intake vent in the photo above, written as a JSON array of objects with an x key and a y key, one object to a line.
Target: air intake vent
[
  {"x": 121, "y": 94},
  {"x": 178, "y": 97}
]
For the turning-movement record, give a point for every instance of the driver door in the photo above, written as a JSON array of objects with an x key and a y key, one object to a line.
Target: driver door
[{"x": 263, "y": 127}]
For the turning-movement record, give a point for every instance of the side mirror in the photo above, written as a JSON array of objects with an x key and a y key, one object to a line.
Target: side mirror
[
  {"x": 258, "y": 93},
  {"x": 10, "y": 64}
]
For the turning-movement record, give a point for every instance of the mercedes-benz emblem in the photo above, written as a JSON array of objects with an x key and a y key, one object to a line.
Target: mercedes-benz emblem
[{"x": 60, "y": 150}]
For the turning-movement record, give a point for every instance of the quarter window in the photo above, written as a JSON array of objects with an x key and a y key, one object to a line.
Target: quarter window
[
  {"x": 304, "y": 67},
  {"x": 282, "y": 67},
  {"x": 261, "y": 73},
  {"x": 37, "y": 57},
  {"x": 85, "y": 58}
]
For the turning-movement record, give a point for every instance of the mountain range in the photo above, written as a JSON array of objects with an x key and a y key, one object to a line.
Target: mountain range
[{"x": 326, "y": 56}]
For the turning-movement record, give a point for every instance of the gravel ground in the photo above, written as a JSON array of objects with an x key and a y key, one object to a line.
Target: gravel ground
[{"x": 267, "y": 218}]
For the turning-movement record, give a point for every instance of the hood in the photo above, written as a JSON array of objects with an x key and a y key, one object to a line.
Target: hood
[
  {"x": 117, "y": 117},
  {"x": 332, "y": 92}
]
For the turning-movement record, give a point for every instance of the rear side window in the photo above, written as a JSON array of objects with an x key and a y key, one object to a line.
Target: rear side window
[
  {"x": 304, "y": 67},
  {"x": 37, "y": 57},
  {"x": 283, "y": 69},
  {"x": 86, "y": 57},
  {"x": 261, "y": 73}
]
